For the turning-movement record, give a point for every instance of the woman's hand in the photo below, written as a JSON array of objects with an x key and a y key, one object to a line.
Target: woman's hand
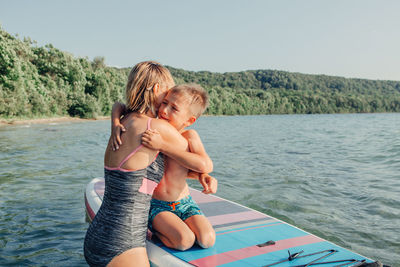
[
  {"x": 209, "y": 183},
  {"x": 116, "y": 130},
  {"x": 152, "y": 139}
]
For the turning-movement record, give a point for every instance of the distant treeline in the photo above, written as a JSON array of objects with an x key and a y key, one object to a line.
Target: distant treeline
[{"x": 44, "y": 82}]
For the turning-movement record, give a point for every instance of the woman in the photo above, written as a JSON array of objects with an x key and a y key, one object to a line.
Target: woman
[{"x": 117, "y": 235}]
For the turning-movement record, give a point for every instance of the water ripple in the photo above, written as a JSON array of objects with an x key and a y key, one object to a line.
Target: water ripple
[{"x": 333, "y": 175}]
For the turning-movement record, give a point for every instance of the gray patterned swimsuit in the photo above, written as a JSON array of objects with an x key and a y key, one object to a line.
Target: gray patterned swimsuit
[{"x": 121, "y": 222}]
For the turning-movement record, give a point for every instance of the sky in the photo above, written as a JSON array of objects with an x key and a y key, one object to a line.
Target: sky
[{"x": 348, "y": 38}]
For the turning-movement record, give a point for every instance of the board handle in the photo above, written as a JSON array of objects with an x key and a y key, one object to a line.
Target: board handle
[{"x": 268, "y": 243}]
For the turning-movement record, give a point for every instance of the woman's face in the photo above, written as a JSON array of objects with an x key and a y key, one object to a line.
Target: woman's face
[
  {"x": 161, "y": 92},
  {"x": 160, "y": 96}
]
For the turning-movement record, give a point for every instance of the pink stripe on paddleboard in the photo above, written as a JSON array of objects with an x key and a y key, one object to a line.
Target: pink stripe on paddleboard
[
  {"x": 147, "y": 186},
  {"x": 199, "y": 197},
  {"x": 239, "y": 254},
  {"x": 235, "y": 217},
  {"x": 89, "y": 209}
]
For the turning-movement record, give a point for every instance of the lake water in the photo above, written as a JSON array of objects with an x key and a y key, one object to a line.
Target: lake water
[{"x": 337, "y": 176}]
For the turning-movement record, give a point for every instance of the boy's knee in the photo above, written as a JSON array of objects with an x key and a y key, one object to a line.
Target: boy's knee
[
  {"x": 206, "y": 240},
  {"x": 185, "y": 241}
]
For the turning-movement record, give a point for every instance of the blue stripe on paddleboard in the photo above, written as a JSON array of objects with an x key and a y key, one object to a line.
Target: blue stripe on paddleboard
[
  {"x": 248, "y": 224},
  {"x": 247, "y": 227},
  {"x": 227, "y": 225},
  {"x": 240, "y": 239}
]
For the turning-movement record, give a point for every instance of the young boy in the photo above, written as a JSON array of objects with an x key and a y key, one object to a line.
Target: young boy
[{"x": 174, "y": 217}]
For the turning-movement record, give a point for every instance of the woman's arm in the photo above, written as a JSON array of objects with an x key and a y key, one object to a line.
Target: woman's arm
[{"x": 194, "y": 158}]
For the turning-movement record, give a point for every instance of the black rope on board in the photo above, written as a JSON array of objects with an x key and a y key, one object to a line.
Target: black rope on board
[{"x": 297, "y": 255}]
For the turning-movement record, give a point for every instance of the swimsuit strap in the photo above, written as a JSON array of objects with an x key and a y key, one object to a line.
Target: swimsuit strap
[
  {"x": 136, "y": 149},
  {"x": 148, "y": 124}
]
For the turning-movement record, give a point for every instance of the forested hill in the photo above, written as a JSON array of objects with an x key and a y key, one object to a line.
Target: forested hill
[
  {"x": 45, "y": 82},
  {"x": 280, "y": 92}
]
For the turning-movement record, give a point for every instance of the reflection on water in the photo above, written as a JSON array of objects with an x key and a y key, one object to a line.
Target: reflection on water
[{"x": 333, "y": 175}]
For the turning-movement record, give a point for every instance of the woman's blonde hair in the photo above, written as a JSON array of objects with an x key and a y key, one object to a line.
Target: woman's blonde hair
[{"x": 140, "y": 96}]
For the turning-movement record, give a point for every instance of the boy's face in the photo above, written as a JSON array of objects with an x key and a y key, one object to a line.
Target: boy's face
[{"x": 176, "y": 110}]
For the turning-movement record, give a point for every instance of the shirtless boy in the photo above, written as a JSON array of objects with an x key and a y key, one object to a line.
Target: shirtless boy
[{"x": 174, "y": 217}]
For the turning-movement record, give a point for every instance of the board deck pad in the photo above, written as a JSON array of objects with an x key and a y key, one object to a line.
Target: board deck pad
[{"x": 242, "y": 236}]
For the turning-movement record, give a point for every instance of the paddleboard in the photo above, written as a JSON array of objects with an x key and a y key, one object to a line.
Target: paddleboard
[{"x": 244, "y": 237}]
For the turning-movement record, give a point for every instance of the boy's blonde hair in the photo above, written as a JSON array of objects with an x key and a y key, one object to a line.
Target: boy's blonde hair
[
  {"x": 140, "y": 97},
  {"x": 195, "y": 94}
]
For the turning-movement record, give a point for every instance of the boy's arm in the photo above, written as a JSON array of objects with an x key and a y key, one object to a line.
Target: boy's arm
[
  {"x": 195, "y": 159},
  {"x": 209, "y": 183},
  {"x": 118, "y": 110},
  {"x": 196, "y": 147},
  {"x": 193, "y": 175}
]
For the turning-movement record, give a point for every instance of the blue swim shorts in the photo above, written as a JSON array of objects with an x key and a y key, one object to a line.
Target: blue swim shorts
[{"x": 183, "y": 208}]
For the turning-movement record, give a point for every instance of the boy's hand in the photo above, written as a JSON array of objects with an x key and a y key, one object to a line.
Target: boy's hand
[
  {"x": 116, "y": 131},
  {"x": 152, "y": 139},
  {"x": 209, "y": 183},
  {"x": 118, "y": 110}
]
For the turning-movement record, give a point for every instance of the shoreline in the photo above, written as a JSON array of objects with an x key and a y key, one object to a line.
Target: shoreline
[
  {"x": 12, "y": 122},
  {"x": 16, "y": 121}
]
